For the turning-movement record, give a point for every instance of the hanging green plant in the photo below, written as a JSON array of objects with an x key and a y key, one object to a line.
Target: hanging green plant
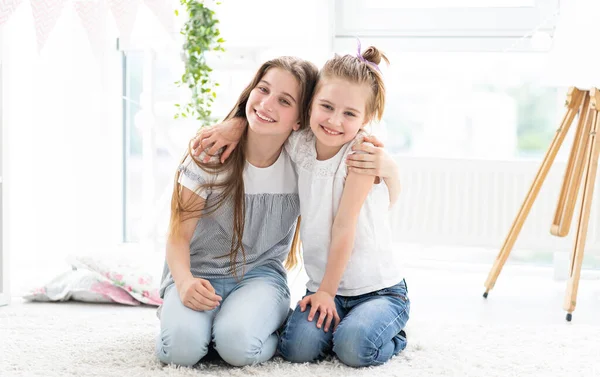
[{"x": 201, "y": 36}]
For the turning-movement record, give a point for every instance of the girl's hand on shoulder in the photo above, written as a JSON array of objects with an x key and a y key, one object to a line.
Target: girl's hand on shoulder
[
  {"x": 324, "y": 303},
  {"x": 372, "y": 159},
  {"x": 222, "y": 137}
]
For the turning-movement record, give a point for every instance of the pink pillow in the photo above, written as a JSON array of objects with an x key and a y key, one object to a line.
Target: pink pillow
[
  {"x": 124, "y": 273},
  {"x": 81, "y": 285}
]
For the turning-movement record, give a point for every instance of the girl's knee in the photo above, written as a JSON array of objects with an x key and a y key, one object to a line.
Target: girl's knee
[
  {"x": 179, "y": 346},
  {"x": 357, "y": 345},
  {"x": 358, "y": 355},
  {"x": 302, "y": 341},
  {"x": 354, "y": 347},
  {"x": 301, "y": 352},
  {"x": 238, "y": 348}
]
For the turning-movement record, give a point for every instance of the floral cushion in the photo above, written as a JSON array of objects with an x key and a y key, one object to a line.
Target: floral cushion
[
  {"x": 123, "y": 272},
  {"x": 81, "y": 285}
]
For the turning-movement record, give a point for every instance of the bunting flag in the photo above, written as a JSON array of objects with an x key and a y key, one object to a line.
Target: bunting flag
[
  {"x": 92, "y": 14},
  {"x": 124, "y": 12},
  {"x": 45, "y": 16},
  {"x": 7, "y": 7},
  {"x": 164, "y": 12}
]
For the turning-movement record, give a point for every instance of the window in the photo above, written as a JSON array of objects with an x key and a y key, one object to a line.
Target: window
[
  {"x": 466, "y": 78},
  {"x": 428, "y": 4},
  {"x": 153, "y": 153},
  {"x": 153, "y": 141},
  {"x": 470, "y": 105},
  {"x": 451, "y": 18}
]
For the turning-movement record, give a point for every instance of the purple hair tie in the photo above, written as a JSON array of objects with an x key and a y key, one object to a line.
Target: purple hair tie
[{"x": 359, "y": 55}]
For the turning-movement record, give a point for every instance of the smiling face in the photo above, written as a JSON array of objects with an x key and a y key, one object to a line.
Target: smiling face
[
  {"x": 273, "y": 106},
  {"x": 338, "y": 111}
]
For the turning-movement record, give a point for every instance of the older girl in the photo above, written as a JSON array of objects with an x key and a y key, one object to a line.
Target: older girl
[{"x": 224, "y": 283}]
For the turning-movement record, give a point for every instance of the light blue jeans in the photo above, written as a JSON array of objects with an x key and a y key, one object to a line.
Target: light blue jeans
[
  {"x": 241, "y": 329},
  {"x": 370, "y": 331}
]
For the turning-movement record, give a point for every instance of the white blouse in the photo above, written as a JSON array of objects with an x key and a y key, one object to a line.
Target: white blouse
[{"x": 373, "y": 264}]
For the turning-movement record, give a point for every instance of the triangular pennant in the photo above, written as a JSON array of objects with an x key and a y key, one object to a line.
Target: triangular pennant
[
  {"x": 93, "y": 18},
  {"x": 124, "y": 12},
  {"x": 7, "y": 7},
  {"x": 45, "y": 16},
  {"x": 164, "y": 12}
]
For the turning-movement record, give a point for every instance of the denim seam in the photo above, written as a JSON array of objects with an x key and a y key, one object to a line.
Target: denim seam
[
  {"x": 274, "y": 308},
  {"x": 390, "y": 323}
]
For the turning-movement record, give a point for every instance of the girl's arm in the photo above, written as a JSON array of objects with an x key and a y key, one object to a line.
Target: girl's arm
[
  {"x": 375, "y": 161},
  {"x": 195, "y": 293},
  {"x": 356, "y": 190},
  {"x": 223, "y": 135}
]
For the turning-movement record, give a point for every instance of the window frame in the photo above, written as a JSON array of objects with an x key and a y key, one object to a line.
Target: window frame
[{"x": 371, "y": 18}]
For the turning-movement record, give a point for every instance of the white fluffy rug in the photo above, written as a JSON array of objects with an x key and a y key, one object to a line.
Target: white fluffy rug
[{"x": 71, "y": 339}]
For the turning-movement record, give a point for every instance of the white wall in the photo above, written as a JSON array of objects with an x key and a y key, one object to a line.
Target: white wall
[{"x": 64, "y": 141}]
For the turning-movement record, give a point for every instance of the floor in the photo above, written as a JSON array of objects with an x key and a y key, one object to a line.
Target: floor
[{"x": 519, "y": 330}]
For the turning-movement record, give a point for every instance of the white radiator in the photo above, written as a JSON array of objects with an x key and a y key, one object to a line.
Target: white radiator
[{"x": 474, "y": 203}]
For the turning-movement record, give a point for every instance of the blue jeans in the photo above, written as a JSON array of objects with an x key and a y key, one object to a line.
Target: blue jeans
[
  {"x": 368, "y": 334},
  {"x": 241, "y": 329}
]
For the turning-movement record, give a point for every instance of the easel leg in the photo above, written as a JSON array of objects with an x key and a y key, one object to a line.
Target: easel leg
[
  {"x": 573, "y": 173},
  {"x": 586, "y": 205},
  {"x": 574, "y": 100}
]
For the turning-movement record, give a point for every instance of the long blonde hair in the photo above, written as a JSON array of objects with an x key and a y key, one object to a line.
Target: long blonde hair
[{"x": 231, "y": 188}]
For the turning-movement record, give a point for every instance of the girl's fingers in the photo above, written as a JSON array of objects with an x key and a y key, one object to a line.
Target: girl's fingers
[
  {"x": 199, "y": 306},
  {"x": 336, "y": 321},
  {"x": 302, "y": 303},
  {"x": 373, "y": 140},
  {"x": 214, "y": 149},
  {"x": 225, "y": 155},
  {"x": 206, "y": 284},
  {"x": 188, "y": 304},
  {"x": 210, "y": 297},
  {"x": 372, "y": 172},
  {"x": 210, "y": 292},
  {"x": 313, "y": 311},
  {"x": 362, "y": 164},
  {"x": 322, "y": 316},
  {"x": 205, "y": 295},
  {"x": 194, "y": 143},
  {"x": 196, "y": 146},
  {"x": 204, "y": 301},
  {"x": 207, "y": 146},
  {"x": 207, "y": 142},
  {"x": 192, "y": 303},
  {"x": 329, "y": 319},
  {"x": 365, "y": 147},
  {"x": 200, "y": 136},
  {"x": 361, "y": 157}
]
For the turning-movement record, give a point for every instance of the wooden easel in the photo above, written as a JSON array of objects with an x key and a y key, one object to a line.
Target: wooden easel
[{"x": 581, "y": 171}]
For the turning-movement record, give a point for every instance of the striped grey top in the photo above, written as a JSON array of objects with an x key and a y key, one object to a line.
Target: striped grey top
[{"x": 272, "y": 208}]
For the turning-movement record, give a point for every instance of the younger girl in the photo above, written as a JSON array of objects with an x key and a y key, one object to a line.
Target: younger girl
[{"x": 354, "y": 275}]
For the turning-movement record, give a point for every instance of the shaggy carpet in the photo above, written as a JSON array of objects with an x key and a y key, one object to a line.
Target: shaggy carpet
[{"x": 75, "y": 339}]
